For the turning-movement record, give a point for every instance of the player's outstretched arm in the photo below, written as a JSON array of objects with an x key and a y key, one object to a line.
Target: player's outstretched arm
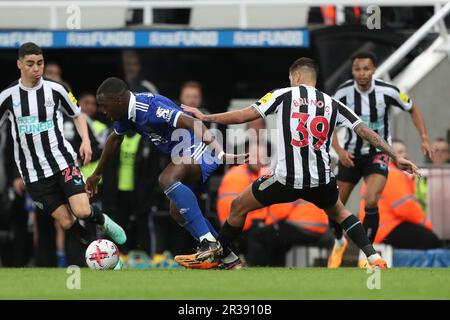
[
  {"x": 85, "y": 147},
  {"x": 374, "y": 139},
  {"x": 112, "y": 144},
  {"x": 418, "y": 121},
  {"x": 344, "y": 156},
  {"x": 201, "y": 131},
  {"x": 230, "y": 117}
]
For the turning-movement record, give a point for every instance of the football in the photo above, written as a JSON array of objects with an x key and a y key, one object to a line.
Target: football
[{"x": 102, "y": 255}]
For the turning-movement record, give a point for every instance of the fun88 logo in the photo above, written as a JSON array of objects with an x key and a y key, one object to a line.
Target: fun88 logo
[{"x": 30, "y": 125}]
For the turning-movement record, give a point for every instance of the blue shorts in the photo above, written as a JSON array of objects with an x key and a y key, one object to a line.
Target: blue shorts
[{"x": 206, "y": 158}]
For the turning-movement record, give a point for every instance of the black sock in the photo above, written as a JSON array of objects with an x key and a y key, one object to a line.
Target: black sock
[
  {"x": 81, "y": 234},
  {"x": 228, "y": 233},
  {"x": 335, "y": 228},
  {"x": 96, "y": 216},
  {"x": 355, "y": 231},
  {"x": 370, "y": 223}
]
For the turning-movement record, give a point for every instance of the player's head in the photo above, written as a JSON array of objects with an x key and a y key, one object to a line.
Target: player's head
[
  {"x": 87, "y": 103},
  {"x": 113, "y": 97},
  {"x": 30, "y": 62},
  {"x": 364, "y": 64},
  {"x": 399, "y": 148},
  {"x": 303, "y": 71},
  {"x": 53, "y": 71},
  {"x": 441, "y": 151},
  {"x": 191, "y": 94}
]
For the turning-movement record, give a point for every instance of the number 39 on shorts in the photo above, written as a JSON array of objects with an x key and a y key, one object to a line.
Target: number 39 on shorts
[{"x": 318, "y": 128}]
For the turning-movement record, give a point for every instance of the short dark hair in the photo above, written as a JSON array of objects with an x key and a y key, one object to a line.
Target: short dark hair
[
  {"x": 29, "y": 48},
  {"x": 113, "y": 86},
  {"x": 365, "y": 55},
  {"x": 304, "y": 62},
  {"x": 395, "y": 140},
  {"x": 85, "y": 94}
]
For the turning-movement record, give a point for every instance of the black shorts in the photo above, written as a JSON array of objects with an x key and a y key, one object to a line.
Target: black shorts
[
  {"x": 364, "y": 166},
  {"x": 52, "y": 192},
  {"x": 268, "y": 190}
]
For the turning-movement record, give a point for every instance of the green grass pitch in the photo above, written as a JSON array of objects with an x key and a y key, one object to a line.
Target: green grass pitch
[{"x": 249, "y": 283}]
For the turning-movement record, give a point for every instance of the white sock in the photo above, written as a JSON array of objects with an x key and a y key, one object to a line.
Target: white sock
[
  {"x": 208, "y": 237},
  {"x": 339, "y": 242},
  {"x": 362, "y": 256},
  {"x": 230, "y": 258},
  {"x": 374, "y": 257}
]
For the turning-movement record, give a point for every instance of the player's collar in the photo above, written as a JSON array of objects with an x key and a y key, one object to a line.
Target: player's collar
[
  {"x": 38, "y": 86},
  {"x": 132, "y": 108},
  {"x": 372, "y": 86}
]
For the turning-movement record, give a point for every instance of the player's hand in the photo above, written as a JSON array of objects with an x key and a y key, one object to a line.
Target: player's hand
[
  {"x": 346, "y": 158},
  {"x": 196, "y": 113},
  {"x": 86, "y": 151},
  {"x": 408, "y": 166},
  {"x": 426, "y": 149},
  {"x": 229, "y": 158},
  {"x": 18, "y": 186},
  {"x": 92, "y": 185}
]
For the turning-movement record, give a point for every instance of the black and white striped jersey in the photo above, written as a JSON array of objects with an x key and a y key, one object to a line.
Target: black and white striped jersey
[
  {"x": 40, "y": 149},
  {"x": 373, "y": 107},
  {"x": 306, "y": 119}
]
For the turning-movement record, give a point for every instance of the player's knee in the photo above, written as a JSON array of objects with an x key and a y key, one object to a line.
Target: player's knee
[
  {"x": 67, "y": 223},
  {"x": 372, "y": 199},
  {"x": 165, "y": 181},
  {"x": 236, "y": 208},
  {"x": 82, "y": 212}
]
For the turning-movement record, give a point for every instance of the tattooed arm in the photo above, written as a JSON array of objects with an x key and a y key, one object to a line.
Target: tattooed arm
[{"x": 374, "y": 139}]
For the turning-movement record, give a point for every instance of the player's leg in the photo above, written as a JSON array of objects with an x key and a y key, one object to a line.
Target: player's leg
[
  {"x": 83, "y": 210},
  {"x": 71, "y": 225},
  {"x": 232, "y": 227},
  {"x": 375, "y": 174},
  {"x": 355, "y": 231},
  {"x": 375, "y": 184},
  {"x": 345, "y": 190},
  {"x": 72, "y": 184},
  {"x": 173, "y": 180},
  {"x": 48, "y": 197},
  {"x": 346, "y": 181}
]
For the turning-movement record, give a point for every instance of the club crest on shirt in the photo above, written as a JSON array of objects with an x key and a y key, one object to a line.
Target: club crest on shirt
[
  {"x": 49, "y": 103},
  {"x": 164, "y": 113}
]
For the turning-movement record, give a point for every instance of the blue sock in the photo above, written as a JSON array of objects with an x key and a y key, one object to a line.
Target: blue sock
[
  {"x": 189, "y": 228},
  {"x": 187, "y": 205}
]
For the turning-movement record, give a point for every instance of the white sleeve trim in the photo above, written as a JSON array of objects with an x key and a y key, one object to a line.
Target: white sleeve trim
[
  {"x": 118, "y": 133},
  {"x": 176, "y": 118},
  {"x": 356, "y": 123},
  {"x": 259, "y": 111}
]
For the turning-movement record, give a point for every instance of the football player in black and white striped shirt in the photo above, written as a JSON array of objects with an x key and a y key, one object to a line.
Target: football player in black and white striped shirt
[
  {"x": 371, "y": 100},
  {"x": 44, "y": 158},
  {"x": 306, "y": 119}
]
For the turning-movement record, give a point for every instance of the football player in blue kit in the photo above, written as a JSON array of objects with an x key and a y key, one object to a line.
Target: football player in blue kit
[{"x": 161, "y": 122}]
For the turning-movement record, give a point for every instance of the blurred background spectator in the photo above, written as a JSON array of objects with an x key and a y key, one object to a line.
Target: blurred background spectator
[
  {"x": 442, "y": 152},
  {"x": 134, "y": 76}
]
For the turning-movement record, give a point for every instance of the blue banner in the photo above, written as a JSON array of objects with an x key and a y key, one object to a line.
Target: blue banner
[{"x": 298, "y": 38}]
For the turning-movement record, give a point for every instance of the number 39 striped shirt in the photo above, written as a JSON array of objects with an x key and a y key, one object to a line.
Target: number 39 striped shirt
[
  {"x": 40, "y": 149},
  {"x": 306, "y": 119}
]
